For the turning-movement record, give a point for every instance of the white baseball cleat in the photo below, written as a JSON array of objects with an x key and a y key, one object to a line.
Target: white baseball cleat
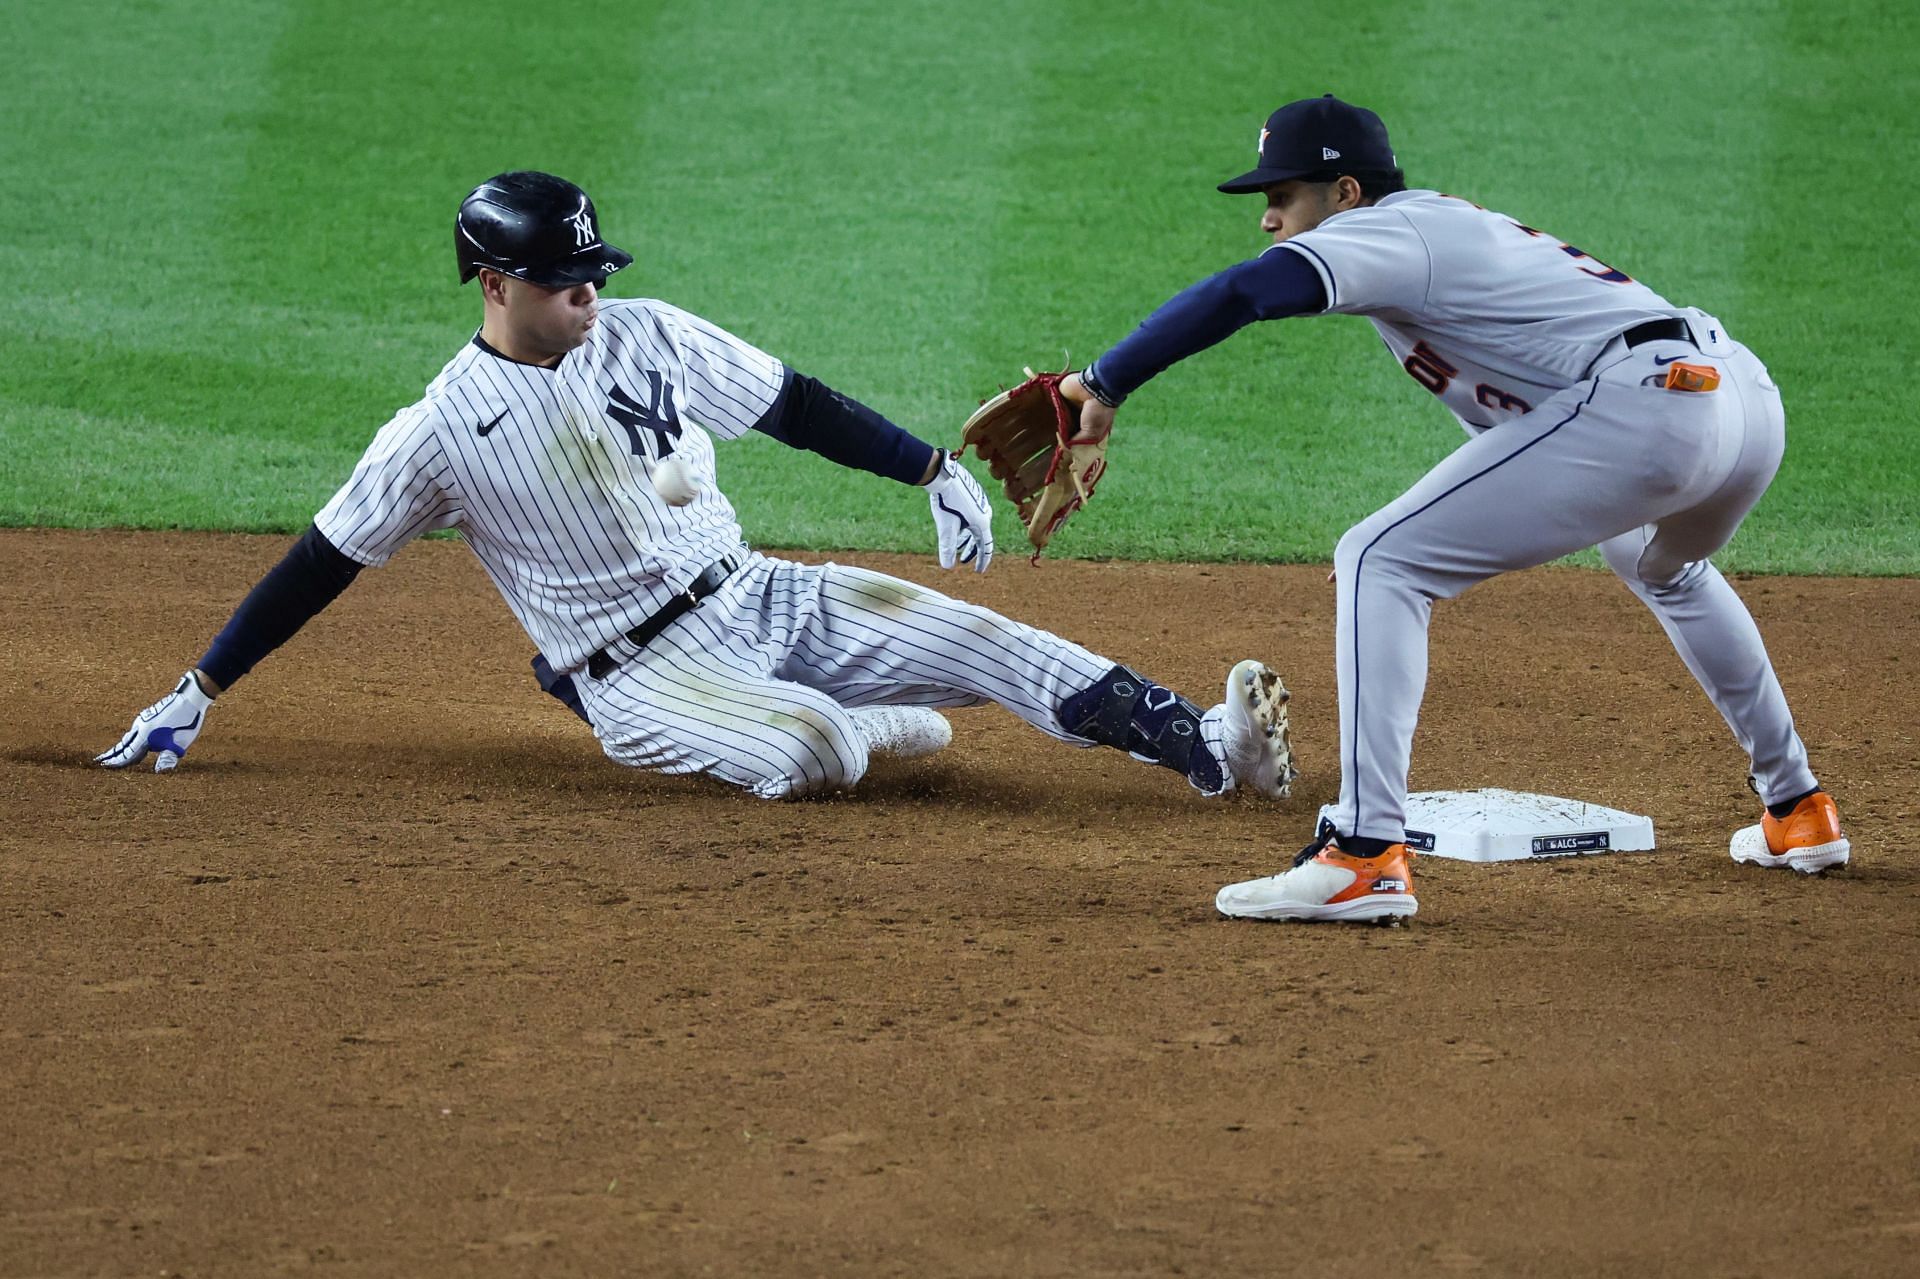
[
  {"x": 904, "y": 732},
  {"x": 1327, "y": 883},
  {"x": 1808, "y": 839},
  {"x": 1255, "y": 736}
]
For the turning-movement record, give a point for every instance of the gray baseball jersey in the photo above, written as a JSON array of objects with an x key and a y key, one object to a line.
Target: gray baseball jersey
[
  {"x": 1486, "y": 312},
  {"x": 1579, "y": 441}
]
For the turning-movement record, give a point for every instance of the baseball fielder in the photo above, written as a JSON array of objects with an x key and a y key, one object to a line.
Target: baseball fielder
[
  {"x": 571, "y": 443},
  {"x": 1599, "y": 414}
]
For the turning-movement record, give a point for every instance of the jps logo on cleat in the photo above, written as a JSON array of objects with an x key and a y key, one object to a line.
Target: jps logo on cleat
[{"x": 1389, "y": 885}]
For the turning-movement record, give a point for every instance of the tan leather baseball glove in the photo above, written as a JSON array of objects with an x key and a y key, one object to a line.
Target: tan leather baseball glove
[{"x": 1030, "y": 439}]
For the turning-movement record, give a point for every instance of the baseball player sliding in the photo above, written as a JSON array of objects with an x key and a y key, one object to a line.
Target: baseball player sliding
[
  {"x": 570, "y": 442},
  {"x": 1600, "y": 414}
]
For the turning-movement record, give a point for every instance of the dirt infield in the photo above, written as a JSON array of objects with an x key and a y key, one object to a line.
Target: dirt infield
[{"x": 399, "y": 976}]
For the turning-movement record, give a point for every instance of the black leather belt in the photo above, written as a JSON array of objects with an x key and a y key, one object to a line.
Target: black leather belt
[
  {"x": 1657, "y": 331},
  {"x": 600, "y": 665}
]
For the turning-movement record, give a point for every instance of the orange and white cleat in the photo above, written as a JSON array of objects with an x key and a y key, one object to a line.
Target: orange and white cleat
[
  {"x": 1808, "y": 839},
  {"x": 1328, "y": 883}
]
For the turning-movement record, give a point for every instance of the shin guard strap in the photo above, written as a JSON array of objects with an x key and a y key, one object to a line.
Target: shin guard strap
[
  {"x": 1133, "y": 714},
  {"x": 1103, "y": 712}
]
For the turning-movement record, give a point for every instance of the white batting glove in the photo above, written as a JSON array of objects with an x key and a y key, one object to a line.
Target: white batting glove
[
  {"x": 168, "y": 726},
  {"x": 961, "y": 515}
]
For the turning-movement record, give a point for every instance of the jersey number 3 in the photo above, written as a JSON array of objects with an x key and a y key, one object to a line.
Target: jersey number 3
[
  {"x": 658, "y": 421},
  {"x": 1599, "y": 270}
]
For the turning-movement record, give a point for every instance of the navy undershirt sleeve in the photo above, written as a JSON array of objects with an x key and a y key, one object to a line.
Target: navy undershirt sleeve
[
  {"x": 1276, "y": 284},
  {"x": 308, "y": 578},
  {"x": 810, "y": 415}
]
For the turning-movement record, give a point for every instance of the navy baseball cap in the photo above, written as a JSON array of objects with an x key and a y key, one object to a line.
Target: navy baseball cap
[{"x": 1314, "y": 137}]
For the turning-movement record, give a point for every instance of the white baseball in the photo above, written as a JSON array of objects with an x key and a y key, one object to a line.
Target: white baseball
[{"x": 674, "y": 482}]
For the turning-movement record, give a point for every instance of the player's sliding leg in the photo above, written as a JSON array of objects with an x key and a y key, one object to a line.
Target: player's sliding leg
[
  {"x": 785, "y": 682},
  {"x": 876, "y": 639},
  {"x": 905, "y": 732},
  {"x": 1241, "y": 742},
  {"x": 698, "y": 699}
]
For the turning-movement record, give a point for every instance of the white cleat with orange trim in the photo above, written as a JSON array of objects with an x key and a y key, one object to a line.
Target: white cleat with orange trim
[
  {"x": 1327, "y": 883},
  {"x": 1808, "y": 839}
]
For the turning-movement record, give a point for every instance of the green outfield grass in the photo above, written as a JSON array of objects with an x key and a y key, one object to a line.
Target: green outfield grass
[{"x": 228, "y": 232}]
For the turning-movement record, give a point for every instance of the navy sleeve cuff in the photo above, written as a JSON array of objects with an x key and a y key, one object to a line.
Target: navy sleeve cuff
[
  {"x": 308, "y": 578},
  {"x": 1269, "y": 287},
  {"x": 810, "y": 415}
]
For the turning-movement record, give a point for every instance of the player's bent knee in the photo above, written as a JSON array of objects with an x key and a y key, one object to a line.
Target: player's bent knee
[
  {"x": 1622, "y": 555},
  {"x": 799, "y": 758},
  {"x": 1648, "y": 573},
  {"x": 1373, "y": 553},
  {"x": 1347, "y": 552},
  {"x": 814, "y": 756},
  {"x": 1671, "y": 582},
  {"x": 801, "y": 783}
]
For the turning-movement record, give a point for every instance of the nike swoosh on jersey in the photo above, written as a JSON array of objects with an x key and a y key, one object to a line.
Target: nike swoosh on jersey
[
  {"x": 1668, "y": 359},
  {"x": 489, "y": 426}
]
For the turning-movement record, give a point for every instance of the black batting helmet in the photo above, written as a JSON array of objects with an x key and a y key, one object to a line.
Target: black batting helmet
[{"x": 535, "y": 227}]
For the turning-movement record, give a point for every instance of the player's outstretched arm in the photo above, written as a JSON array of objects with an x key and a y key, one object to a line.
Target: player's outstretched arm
[
  {"x": 1045, "y": 440},
  {"x": 1277, "y": 284},
  {"x": 310, "y": 577},
  {"x": 811, "y": 415}
]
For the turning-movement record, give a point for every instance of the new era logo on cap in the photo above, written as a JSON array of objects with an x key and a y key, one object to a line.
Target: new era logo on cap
[{"x": 1313, "y": 139}]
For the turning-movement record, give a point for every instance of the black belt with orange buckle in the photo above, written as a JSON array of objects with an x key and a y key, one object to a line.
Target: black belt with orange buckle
[{"x": 600, "y": 665}]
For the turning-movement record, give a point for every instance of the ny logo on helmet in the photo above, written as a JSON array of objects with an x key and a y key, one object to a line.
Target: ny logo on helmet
[{"x": 582, "y": 224}]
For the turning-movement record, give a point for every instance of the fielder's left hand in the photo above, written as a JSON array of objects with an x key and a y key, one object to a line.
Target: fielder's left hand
[
  {"x": 168, "y": 726},
  {"x": 961, "y": 515},
  {"x": 1096, "y": 419}
]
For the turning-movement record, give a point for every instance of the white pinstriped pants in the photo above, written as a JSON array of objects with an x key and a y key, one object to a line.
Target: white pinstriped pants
[
  {"x": 753, "y": 685},
  {"x": 1657, "y": 479}
]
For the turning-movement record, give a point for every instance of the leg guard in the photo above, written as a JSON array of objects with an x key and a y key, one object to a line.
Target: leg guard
[{"x": 1131, "y": 713}]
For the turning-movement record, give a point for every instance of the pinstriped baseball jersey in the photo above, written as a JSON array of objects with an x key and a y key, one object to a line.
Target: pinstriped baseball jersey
[
  {"x": 547, "y": 473},
  {"x": 1489, "y": 314}
]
